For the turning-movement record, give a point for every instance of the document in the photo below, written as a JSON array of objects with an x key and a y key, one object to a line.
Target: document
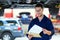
[{"x": 35, "y": 31}]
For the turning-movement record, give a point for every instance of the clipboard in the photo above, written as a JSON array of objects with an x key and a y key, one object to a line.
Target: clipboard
[{"x": 35, "y": 31}]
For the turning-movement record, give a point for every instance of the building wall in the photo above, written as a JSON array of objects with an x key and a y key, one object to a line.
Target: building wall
[{"x": 31, "y": 10}]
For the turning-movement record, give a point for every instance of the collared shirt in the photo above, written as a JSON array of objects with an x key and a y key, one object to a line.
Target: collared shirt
[{"x": 44, "y": 23}]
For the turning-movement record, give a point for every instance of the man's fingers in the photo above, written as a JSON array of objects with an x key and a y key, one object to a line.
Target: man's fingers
[
  {"x": 46, "y": 32},
  {"x": 30, "y": 36},
  {"x": 49, "y": 33}
]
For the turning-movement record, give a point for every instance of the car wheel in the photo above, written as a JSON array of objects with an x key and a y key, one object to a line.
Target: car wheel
[{"x": 7, "y": 36}]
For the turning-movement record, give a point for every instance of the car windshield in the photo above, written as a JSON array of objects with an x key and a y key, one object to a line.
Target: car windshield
[
  {"x": 24, "y": 16},
  {"x": 11, "y": 22}
]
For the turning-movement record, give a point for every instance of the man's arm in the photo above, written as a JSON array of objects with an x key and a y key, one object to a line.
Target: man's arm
[
  {"x": 50, "y": 28},
  {"x": 47, "y": 32}
]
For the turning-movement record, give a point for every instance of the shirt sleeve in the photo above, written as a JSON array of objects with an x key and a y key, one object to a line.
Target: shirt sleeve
[{"x": 50, "y": 27}]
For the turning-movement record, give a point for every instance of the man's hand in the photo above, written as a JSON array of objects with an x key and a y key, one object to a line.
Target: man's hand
[
  {"x": 46, "y": 32},
  {"x": 30, "y": 36}
]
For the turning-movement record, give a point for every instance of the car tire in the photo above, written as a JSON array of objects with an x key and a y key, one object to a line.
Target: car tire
[{"x": 7, "y": 36}]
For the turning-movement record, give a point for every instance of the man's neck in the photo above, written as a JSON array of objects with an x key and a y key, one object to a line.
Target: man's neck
[{"x": 41, "y": 17}]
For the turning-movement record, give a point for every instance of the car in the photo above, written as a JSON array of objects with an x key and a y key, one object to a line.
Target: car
[
  {"x": 25, "y": 17},
  {"x": 10, "y": 28}
]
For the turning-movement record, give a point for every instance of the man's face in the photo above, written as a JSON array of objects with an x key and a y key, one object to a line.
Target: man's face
[{"x": 39, "y": 11}]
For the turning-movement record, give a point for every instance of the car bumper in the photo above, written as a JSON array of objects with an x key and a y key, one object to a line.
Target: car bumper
[{"x": 18, "y": 33}]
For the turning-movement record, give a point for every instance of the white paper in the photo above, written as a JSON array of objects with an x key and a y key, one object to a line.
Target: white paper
[{"x": 35, "y": 29}]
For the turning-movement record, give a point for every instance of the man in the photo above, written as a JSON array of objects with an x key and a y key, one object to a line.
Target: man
[{"x": 42, "y": 21}]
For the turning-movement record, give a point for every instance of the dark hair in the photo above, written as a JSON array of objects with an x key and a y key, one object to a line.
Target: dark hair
[{"x": 39, "y": 5}]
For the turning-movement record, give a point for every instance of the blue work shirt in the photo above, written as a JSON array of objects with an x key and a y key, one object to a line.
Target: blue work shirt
[{"x": 44, "y": 23}]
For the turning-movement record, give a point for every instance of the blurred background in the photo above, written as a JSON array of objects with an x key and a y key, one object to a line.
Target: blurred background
[{"x": 24, "y": 10}]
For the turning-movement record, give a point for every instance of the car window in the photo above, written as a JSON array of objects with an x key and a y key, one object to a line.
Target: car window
[
  {"x": 24, "y": 16},
  {"x": 11, "y": 22},
  {"x": 1, "y": 23}
]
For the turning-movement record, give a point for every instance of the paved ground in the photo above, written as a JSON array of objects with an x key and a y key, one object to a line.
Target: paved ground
[
  {"x": 22, "y": 38},
  {"x": 55, "y": 37}
]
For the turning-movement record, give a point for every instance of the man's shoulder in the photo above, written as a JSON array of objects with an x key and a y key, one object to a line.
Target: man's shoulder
[
  {"x": 47, "y": 19},
  {"x": 34, "y": 19}
]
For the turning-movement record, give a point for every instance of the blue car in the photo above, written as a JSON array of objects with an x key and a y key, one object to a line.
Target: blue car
[
  {"x": 10, "y": 28},
  {"x": 25, "y": 17}
]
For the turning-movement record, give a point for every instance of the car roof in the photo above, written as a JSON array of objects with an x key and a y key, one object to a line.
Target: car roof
[
  {"x": 28, "y": 13},
  {"x": 9, "y": 19}
]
